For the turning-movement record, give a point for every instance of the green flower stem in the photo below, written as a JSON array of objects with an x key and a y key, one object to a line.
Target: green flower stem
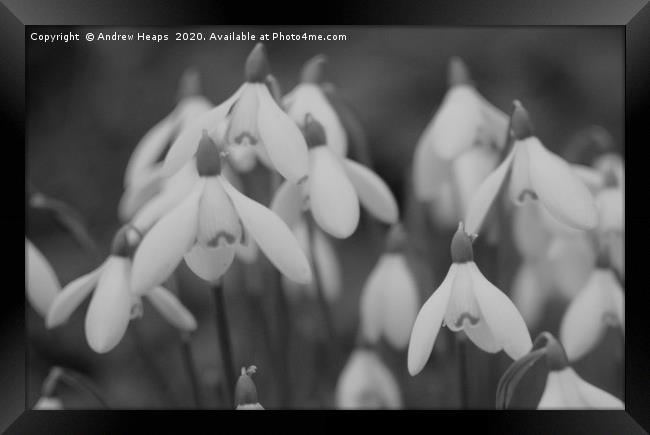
[{"x": 225, "y": 345}]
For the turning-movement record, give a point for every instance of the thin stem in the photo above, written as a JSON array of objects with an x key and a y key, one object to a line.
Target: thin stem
[
  {"x": 284, "y": 319},
  {"x": 223, "y": 335},
  {"x": 190, "y": 367},
  {"x": 322, "y": 301},
  {"x": 82, "y": 384}
]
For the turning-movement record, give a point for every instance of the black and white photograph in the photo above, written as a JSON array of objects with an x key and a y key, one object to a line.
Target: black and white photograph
[{"x": 331, "y": 217}]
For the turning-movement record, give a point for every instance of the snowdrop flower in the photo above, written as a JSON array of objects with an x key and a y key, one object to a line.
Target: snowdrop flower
[
  {"x": 246, "y": 392},
  {"x": 308, "y": 98},
  {"x": 323, "y": 257},
  {"x": 389, "y": 299},
  {"x": 458, "y": 149},
  {"x": 206, "y": 227},
  {"x": 366, "y": 383},
  {"x": 41, "y": 284},
  {"x": 534, "y": 172},
  {"x": 599, "y": 305},
  {"x": 256, "y": 120},
  {"x": 113, "y": 303},
  {"x": 467, "y": 301},
  {"x": 564, "y": 389},
  {"x": 335, "y": 187}
]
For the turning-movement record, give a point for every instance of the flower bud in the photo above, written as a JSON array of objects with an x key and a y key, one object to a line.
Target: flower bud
[
  {"x": 245, "y": 391},
  {"x": 126, "y": 241},
  {"x": 520, "y": 123},
  {"x": 556, "y": 358},
  {"x": 257, "y": 65},
  {"x": 314, "y": 132},
  {"x": 461, "y": 246},
  {"x": 208, "y": 158},
  {"x": 457, "y": 73},
  {"x": 314, "y": 70},
  {"x": 397, "y": 239}
]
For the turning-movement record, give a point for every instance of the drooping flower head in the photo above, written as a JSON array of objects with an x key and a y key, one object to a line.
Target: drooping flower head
[
  {"x": 334, "y": 190},
  {"x": 208, "y": 225},
  {"x": 534, "y": 173},
  {"x": 564, "y": 388},
  {"x": 467, "y": 301},
  {"x": 366, "y": 383},
  {"x": 113, "y": 304},
  {"x": 246, "y": 392},
  {"x": 389, "y": 299},
  {"x": 458, "y": 149}
]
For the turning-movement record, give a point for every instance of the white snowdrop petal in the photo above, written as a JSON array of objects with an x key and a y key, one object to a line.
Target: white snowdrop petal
[
  {"x": 42, "y": 284},
  {"x": 482, "y": 337},
  {"x": 332, "y": 198},
  {"x": 218, "y": 222},
  {"x": 520, "y": 188},
  {"x": 372, "y": 191},
  {"x": 288, "y": 203},
  {"x": 242, "y": 157},
  {"x": 592, "y": 178},
  {"x": 457, "y": 122},
  {"x": 147, "y": 152},
  {"x": 366, "y": 383},
  {"x": 187, "y": 142},
  {"x": 326, "y": 260},
  {"x": 272, "y": 236},
  {"x": 586, "y": 319},
  {"x": 109, "y": 311},
  {"x": 611, "y": 209},
  {"x": 485, "y": 195},
  {"x": 427, "y": 324},
  {"x": 164, "y": 246},
  {"x": 469, "y": 170},
  {"x": 174, "y": 190},
  {"x": 371, "y": 302},
  {"x": 530, "y": 292},
  {"x": 399, "y": 301},
  {"x": 139, "y": 192},
  {"x": 71, "y": 296},
  {"x": 242, "y": 126},
  {"x": 171, "y": 309},
  {"x": 495, "y": 121},
  {"x": 530, "y": 236},
  {"x": 210, "y": 263},
  {"x": 281, "y": 138},
  {"x": 571, "y": 261},
  {"x": 189, "y": 108},
  {"x": 553, "y": 396},
  {"x": 48, "y": 403},
  {"x": 246, "y": 250},
  {"x": 308, "y": 98},
  {"x": 563, "y": 194},
  {"x": 445, "y": 209},
  {"x": 595, "y": 398},
  {"x": 501, "y": 316},
  {"x": 429, "y": 170}
]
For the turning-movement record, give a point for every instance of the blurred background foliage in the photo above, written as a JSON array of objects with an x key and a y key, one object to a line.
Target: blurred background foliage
[{"x": 90, "y": 103}]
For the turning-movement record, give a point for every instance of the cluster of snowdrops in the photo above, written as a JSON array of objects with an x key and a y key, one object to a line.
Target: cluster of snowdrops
[{"x": 478, "y": 171}]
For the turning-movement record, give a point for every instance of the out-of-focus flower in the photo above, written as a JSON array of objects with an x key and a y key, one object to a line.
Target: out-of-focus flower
[
  {"x": 246, "y": 392},
  {"x": 41, "y": 284},
  {"x": 323, "y": 258},
  {"x": 48, "y": 404},
  {"x": 335, "y": 187},
  {"x": 599, "y": 305},
  {"x": 467, "y": 301},
  {"x": 206, "y": 227},
  {"x": 564, "y": 389},
  {"x": 458, "y": 149},
  {"x": 366, "y": 383},
  {"x": 308, "y": 98},
  {"x": 389, "y": 299},
  {"x": 113, "y": 303},
  {"x": 534, "y": 172}
]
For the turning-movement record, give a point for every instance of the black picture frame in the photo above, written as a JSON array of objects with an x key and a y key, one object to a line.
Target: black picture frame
[{"x": 632, "y": 15}]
